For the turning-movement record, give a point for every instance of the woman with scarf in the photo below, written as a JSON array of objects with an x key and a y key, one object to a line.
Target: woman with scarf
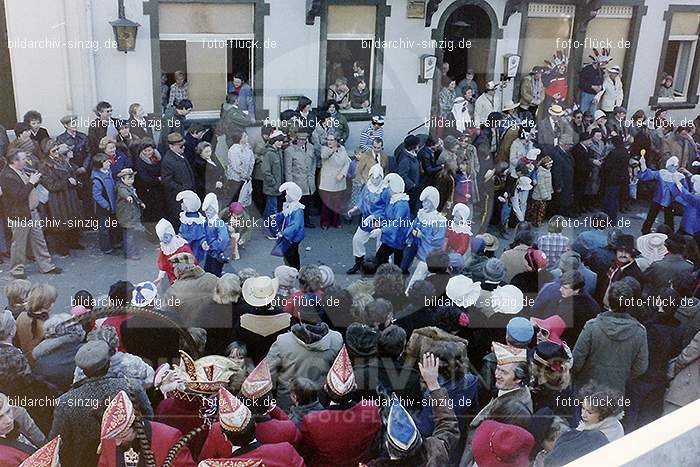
[
  {"x": 290, "y": 225},
  {"x": 373, "y": 200},
  {"x": 428, "y": 233},
  {"x": 170, "y": 245},
  {"x": 30, "y": 323},
  {"x": 147, "y": 183},
  {"x": 63, "y": 207}
]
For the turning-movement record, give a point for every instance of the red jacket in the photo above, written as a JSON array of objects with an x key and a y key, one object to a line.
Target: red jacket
[
  {"x": 11, "y": 456},
  {"x": 164, "y": 263},
  {"x": 279, "y": 429},
  {"x": 272, "y": 455},
  {"x": 163, "y": 437},
  {"x": 183, "y": 415},
  {"x": 337, "y": 438}
]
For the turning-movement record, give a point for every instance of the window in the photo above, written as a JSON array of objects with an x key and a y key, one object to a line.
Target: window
[
  {"x": 209, "y": 42},
  {"x": 677, "y": 82},
  {"x": 350, "y": 56}
]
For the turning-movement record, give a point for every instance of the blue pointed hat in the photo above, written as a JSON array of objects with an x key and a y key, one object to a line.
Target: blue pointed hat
[{"x": 401, "y": 430}]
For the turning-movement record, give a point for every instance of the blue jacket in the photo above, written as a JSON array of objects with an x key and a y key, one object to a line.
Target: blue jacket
[
  {"x": 691, "y": 212},
  {"x": 464, "y": 396},
  {"x": 195, "y": 234},
  {"x": 665, "y": 191},
  {"x": 589, "y": 240},
  {"x": 397, "y": 224},
  {"x": 293, "y": 225},
  {"x": 122, "y": 161},
  {"x": 218, "y": 238},
  {"x": 104, "y": 190},
  {"x": 432, "y": 236},
  {"x": 373, "y": 204},
  {"x": 409, "y": 170}
]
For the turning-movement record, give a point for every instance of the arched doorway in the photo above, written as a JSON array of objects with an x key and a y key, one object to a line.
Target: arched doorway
[{"x": 473, "y": 24}]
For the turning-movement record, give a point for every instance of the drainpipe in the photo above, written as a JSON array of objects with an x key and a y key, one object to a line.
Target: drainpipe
[
  {"x": 66, "y": 62},
  {"x": 92, "y": 67}
]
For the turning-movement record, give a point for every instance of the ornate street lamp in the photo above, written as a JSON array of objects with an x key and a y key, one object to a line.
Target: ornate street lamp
[{"x": 124, "y": 31}]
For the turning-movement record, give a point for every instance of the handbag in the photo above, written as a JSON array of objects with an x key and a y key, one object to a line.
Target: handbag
[
  {"x": 282, "y": 245},
  {"x": 245, "y": 196}
]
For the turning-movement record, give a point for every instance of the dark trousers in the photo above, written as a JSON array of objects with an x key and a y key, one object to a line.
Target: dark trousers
[
  {"x": 213, "y": 266},
  {"x": 654, "y": 210},
  {"x": 413, "y": 196},
  {"x": 291, "y": 256},
  {"x": 60, "y": 242},
  {"x": 306, "y": 200},
  {"x": 646, "y": 404},
  {"x": 611, "y": 204},
  {"x": 384, "y": 253},
  {"x": 259, "y": 198},
  {"x": 234, "y": 189},
  {"x": 331, "y": 207},
  {"x": 108, "y": 233}
]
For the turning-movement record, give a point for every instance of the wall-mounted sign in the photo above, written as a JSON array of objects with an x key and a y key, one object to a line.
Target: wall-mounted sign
[
  {"x": 428, "y": 63},
  {"x": 512, "y": 64},
  {"x": 415, "y": 9}
]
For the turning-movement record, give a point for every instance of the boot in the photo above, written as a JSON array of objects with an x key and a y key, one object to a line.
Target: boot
[{"x": 358, "y": 264}]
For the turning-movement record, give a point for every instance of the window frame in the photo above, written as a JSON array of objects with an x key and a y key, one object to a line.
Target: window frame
[
  {"x": 195, "y": 38},
  {"x": 376, "y": 67},
  {"x": 691, "y": 95},
  {"x": 370, "y": 66}
]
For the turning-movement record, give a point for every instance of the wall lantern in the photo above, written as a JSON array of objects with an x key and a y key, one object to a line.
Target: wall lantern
[{"x": 124, "y": 31}]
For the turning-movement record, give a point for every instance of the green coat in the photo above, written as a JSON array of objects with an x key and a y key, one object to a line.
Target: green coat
[
  {"x": 128, "y": 214},
  {"x": 273, "y": 171}
]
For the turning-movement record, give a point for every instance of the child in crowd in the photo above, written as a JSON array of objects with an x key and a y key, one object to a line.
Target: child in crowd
[
  {"x": 239, "y": 227},
  {"x": 464, "y": 185},
  {"x": 129, "y": 209},
  {"x": 16, "y": 292},
  {"x": 542, "y": 192},
  {"x": 104, "y": 193},
  {"x": 192, "y": 223},
  {"x": 218, "y": 240},
  {"x": 305, "y": 399}
]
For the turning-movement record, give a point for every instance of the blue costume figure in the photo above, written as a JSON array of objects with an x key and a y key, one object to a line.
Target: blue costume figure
[
  {"x": 374, "y": 199},
  {"x": 427, "y": 233},
  {"x": 397, "y": 222},
  {"x": 289, "y": 224},
  {"x": 218, "y": 240},
  {"x": 192, "y": 223},
  {"x": 665, "y": 191},
  {"x": 690, "y": 224}
]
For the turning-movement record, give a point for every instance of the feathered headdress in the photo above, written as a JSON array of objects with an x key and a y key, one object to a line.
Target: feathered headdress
[
  {"x": 559, "y": 58},
  {"x": 600, "y": 57}
]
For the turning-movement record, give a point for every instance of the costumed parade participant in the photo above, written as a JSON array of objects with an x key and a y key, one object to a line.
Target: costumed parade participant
[
  {"x": 344, "y": 432},
  {"x": 459, "y": 232},
  {"x": 14, "y": 446},
  {"x": 665, "y": 191},
  {"x": 170, "y": 245},
  {"x": 129, "y": 440},
  {"x": 427, "y": 233},
  {"x": 190, "y": 392},
  {"x": 45, "y": 456},
  {"x": 272, "y": 425},
  {"x": 373, "y": 201},
  {"x": 218, "y": 239},
  {"x": 238, "y": 425},
  {"x": 397, "y": 223},
  {"x": 192, "y": 223},
  {"x": 690, "y": 223},
  {"x": 289, "y": 225}
]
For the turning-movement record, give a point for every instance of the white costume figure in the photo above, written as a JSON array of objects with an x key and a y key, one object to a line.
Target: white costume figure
[
  {"x": 170, "y": 245},
  {"x": 373, "y": 201},
  {"x": 429, "y": 230}
]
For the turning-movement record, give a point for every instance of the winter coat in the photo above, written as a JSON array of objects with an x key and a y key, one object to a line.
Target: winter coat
[
  {"x": 232, "y": 119},
  {"x": 665, "y": 340},
  {"x": 79, "y": 424},
  {"x": 24, "y": 338},
  {"x": 273, "y": 170},
  {"x": 684, "y": 150},
  {"x": 521, "y": 395},
  {"x": 333, "y": 163},
  {"x": 64, "y": 205},
  {"x": 684, "y": 387},
  {"x": 128, "y": 214},
  {"x": 409, "y": 170},
  {"x": 54, "y": 360},
  {"x": 563, "y": 178},
  {"x": 300, "y": 167},
  {"x": 358, "y": 98},
  {"x": 614, "y": 171},
  {"x": 176, "y": 176},
  {"x": 306, "y": 351},
  {"x": 611, "y": 95},
  {"x": 688, "y": 313},
  {"x": 483, "y": 106},
  {"x": 435, "y": 449},
  {"x": 340, "y": 127},
  {"x": 104, "y": 192},
  {"x": 392, "y": 375},
  {"x": 366, "y": 160},
  {"x": 514, "y": 260},
  {"x": 190, "y": 290},
  {"x": 527, "y": 97},
  {"x": 590, "y": 76},
  {"x": 611, "y": 349},
  {"x": 206, "y": 174},
  {"x": 660, "y": 273},
  {"x": 341, "y": 435},
  {"x": 149, "y": 188}
]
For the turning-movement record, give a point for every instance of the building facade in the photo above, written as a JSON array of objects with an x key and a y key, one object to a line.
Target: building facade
[{"x": 61, "y": 55}]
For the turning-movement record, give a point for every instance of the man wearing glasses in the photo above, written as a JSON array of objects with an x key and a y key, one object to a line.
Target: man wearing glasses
[{"x": 103, "y": 125}]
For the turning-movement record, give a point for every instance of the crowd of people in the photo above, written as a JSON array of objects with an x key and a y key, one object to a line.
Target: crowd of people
[{"x": 451, "y": 348}]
